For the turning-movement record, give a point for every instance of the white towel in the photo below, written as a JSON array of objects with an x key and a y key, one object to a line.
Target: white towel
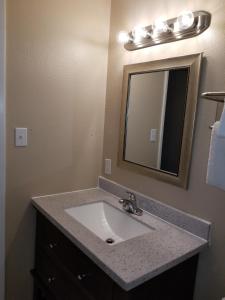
[
  {"x": 221, "y": 129},
  {"x": 216, "y": 163}
]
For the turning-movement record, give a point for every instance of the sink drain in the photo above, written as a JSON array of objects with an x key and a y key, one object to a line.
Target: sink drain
[{"x": 110, "y": 241}]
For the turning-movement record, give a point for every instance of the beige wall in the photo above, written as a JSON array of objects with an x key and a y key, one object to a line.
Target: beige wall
[
  {"x": 144, "y": 113},
  {"x": 56, "y": 65},
  {"x": 2, "y": 149},
  {"x": 56, "y": 73},
  {"x": 200, "y": 199}
]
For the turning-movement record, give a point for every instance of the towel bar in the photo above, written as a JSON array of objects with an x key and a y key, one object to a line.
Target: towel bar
[{"x": 214, "y": 96}]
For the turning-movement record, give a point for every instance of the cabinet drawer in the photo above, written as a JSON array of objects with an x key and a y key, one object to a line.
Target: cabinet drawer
[
  {"x": 56, "y": 281},
  {"x": 54, "y": 242},
  {"x": 88, "y": 276}
]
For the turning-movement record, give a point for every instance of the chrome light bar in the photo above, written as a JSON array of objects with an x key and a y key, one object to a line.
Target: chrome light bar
[{"x": 170, "y": 33}]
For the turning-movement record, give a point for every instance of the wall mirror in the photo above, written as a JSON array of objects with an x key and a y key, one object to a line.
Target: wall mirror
[{"x": 157, "y": 117}]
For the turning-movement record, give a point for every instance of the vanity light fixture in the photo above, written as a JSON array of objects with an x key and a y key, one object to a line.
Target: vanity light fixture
[{"x": 188, "y": 24}]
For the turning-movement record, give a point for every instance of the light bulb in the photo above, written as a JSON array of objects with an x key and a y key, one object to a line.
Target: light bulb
[
  {"x": 139, "y": 33},
  {"x": 176, "y": 27},
  {"x": 185, "y": 20},
  {"x": 160, "y": 26},
  {"x": 123, "y": 37}
]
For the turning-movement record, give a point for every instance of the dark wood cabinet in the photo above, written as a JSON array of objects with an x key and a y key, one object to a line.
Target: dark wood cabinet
[{"x": 63, "y": 272}]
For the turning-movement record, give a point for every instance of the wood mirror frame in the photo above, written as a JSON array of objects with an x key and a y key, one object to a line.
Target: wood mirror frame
[{"x": 193, "y": 62}]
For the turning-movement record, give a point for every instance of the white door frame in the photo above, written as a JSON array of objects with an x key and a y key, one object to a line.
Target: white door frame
[{"x": 2, "y": 146}]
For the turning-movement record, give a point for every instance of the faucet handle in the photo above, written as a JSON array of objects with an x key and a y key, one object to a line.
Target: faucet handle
[{"x": 131, "y": 195}]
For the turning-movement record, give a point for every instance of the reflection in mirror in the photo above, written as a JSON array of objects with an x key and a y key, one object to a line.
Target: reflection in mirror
[
  {"x": 155, "y": 118},
  {"x": 158, "y": 110}
]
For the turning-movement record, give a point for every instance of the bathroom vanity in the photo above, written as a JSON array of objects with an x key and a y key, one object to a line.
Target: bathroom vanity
[{"x": 74, "y": 262}]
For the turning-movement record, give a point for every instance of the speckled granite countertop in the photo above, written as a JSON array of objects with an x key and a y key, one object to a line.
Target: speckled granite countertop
[{"x": 129, "y": 263}]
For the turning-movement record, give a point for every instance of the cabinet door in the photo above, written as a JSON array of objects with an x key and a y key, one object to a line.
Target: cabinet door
[
  {"x": 175, "y": 284},
  {"x": 40, "y": 292},
  {"x": 87, "y": 275},
  {"x": 56, "y": 281}
]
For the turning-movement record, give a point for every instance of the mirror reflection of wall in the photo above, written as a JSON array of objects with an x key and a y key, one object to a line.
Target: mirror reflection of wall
[{"x": 156, "y": 106}]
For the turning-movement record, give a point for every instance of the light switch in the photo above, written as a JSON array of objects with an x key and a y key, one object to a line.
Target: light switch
[
  {"x": 153, "y": 135},
  {"x": 108, "y": 166},
  {"x": 21, "y": 137}
]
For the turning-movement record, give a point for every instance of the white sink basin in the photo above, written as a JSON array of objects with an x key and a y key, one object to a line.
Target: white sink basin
[{"x": 108, "y": 222}]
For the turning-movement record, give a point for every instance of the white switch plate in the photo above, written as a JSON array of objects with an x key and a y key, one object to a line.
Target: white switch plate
[
  {"x": 21, "y": 137},
  {"x": 153, "y": 135},
  {"x": 108, "y": 166}
]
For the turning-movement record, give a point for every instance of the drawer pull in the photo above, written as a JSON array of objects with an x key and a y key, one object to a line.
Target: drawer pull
[
  {"x": 51, "y": 279},
  {"x": 52, "y": 245},
  {"x": 82, "y": 276}
]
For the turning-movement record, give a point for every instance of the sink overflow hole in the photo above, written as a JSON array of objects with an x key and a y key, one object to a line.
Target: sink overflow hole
[{"x": 110, "y": 241}]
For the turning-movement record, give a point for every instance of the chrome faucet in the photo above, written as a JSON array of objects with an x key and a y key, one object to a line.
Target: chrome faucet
[{"x": 130, "y": 204}]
